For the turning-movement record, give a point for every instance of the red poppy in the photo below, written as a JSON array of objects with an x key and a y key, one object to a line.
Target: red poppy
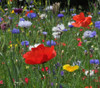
[
  {"x": 39, "y": 55},
  {"x": 44, "y": 69},
  {"x": 81, "y": 20},
  {"x": 26, "y": 80},
  {"x": 88, "y": 87},
  {"x": 31, "y": 11}
]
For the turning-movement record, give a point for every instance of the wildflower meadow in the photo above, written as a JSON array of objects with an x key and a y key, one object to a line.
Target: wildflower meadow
[{"x": 47, "y": 46}]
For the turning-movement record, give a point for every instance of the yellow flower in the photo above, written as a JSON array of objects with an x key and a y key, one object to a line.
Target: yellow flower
[
  {"x": 91, "y": 23},
  {"x": 10, "y": 46},
  {"x": 12, "y": 11},
  {"x": 27, "y": 67},
  {"x": 69, "y": 68},
  {"x": 16, "y": 45}
]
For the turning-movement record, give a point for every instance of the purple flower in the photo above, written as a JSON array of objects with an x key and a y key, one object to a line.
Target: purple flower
[
  {"x": 60, "y": 15},
  {"x": 61, "y": 86},
  {"x": 44, "y": 33},
  {"x": 15, "y": 31},
  {"x": 31, "y": 15},
  {"x": 71, "y": 10},
  {"x": 18, "y": 10},
  {"x": 57, "y": 65},
  {"x": 97, "y": 24},
  {"x": 10, "y": 18},
  {"x": 1, "y": 19},
  {"x": 73, "y": 14},
  {"x": 96, "y": 61},
  {"x": 3, "y": 26},
  {"x": 0, "y": 1},
  {"x": 26, "y": 43},
  {"x": 31, "y": 2},
  {"x": 92, "y": 61},
  {"x": 98, "y": 12},
  {"x": 70, "y": 26},
  {"x": 93, "y": 34},
  {"x": 87, "y": 34},
  {"x": 52, "y": 84},
  {"x": 62, "y": 73},
  {"x": 51, "y": 43},
  {"x": 65, "y": 30},
  {"x": 22, "y": 19}
]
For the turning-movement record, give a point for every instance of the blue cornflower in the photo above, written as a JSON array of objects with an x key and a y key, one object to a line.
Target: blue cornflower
[
  {"x": 25, "y": 43},
  {"x": 92, "y": 61},
  {"x": 71, "y": 10},
  {"x": 70, "y": 26},
  {"x": 65, "y": 30},
  {"x": 1, "y": 19},
  {"x": 97, "y": 24},
  {"x": 73, "y": 14},
  {"x": 51, "y": 43},
  {"x": 98, "y": 12},
  {"x": 93, "y": 34},
  {"x": 22, "y": 19},
  {"x": 31, "y": 15},
  {"x": 96, "y": 61},
  {"x": 15, "y": 31},
  {"x": 60, "y": 15}
]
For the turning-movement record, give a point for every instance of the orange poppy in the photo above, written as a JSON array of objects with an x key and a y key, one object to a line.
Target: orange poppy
[
  {"x": 81, "y": 20},
  {"x": 31, "y": 11}
]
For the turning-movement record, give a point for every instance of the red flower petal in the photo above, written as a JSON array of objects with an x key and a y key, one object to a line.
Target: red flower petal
[{"x": 39, "y": 55}]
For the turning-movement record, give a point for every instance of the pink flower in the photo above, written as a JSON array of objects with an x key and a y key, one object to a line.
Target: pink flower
[
  {"x": 80, "y": 44},
  {"x": 1, "y": 82},
  {"x": 81, "y": 29},
  {"x": 78, "y": 39}
]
